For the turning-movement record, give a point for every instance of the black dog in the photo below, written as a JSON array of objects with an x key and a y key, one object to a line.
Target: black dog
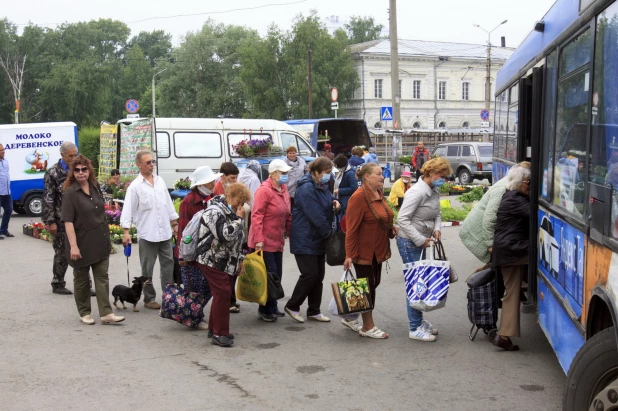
[{"x": 131, "y": 295}]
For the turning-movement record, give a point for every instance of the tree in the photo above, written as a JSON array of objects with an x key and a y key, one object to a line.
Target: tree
[
  {"x": 14, "y": 67},
  {"x": 332, "y": 66},
  {"x": 204, "y": 81},
  {"x": 156, "y": 45},
  {"x": 362, "y": 29}
]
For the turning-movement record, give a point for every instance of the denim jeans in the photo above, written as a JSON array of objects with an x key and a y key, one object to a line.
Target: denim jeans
[
  {"x": 410, "y": 253},
  {"x": 6, "y": 202},
  {"x": 274, "y": 264}
]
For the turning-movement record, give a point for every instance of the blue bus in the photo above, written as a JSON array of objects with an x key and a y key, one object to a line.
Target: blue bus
[{"x": 557, "y": 107}]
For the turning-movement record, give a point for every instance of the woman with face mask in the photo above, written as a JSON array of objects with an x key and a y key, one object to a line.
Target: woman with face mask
[
  {"x": 270, "y": 225},
  {"x": 419, "y": 223},
  {"x": 399, "y": 189},
  {"x": 202, "y": 186},
  {"x": 312, "y": 219}
]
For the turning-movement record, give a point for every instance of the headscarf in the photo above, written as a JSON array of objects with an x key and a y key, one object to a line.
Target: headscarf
[{"x": 254, "y": 166}]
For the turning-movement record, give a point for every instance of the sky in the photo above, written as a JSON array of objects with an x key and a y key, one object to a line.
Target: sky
[{"x": 438, "y": 20}]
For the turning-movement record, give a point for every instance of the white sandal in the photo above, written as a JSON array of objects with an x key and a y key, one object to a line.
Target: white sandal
[
  {"x": 375, "y": 332},
  {"x": 352, "y": 325}
]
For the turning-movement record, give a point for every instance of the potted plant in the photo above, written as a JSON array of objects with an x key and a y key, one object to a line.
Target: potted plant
[
  {"x": 249, "y": 148},
  {"x": 405, "y": 159},
  {"x": 182, "y": 184}
]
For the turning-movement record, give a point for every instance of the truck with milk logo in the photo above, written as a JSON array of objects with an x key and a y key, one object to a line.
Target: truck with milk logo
[{"x": 31, "y": 149}]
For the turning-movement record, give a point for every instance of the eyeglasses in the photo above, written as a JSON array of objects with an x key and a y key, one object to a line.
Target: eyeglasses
[
  {"x": 79, "y": 170},
  {"x": 149, "y": 162}
]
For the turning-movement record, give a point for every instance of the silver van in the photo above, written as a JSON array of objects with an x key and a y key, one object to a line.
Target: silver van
[{"x": 469, "y": 159}]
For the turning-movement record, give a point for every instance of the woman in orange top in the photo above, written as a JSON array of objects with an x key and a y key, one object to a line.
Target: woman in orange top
[{"x": 369, "y": 222}]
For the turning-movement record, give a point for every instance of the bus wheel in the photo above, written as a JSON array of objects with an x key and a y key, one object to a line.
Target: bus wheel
[
  {"x": 34, "y": 205},
  {"x": 594, "y": 369}
]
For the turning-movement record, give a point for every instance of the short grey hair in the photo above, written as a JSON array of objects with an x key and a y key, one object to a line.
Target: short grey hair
[
  {"x": 516, "y": 176},
  {"x": 66, "y": 146},
  {"x": 140, "y": 154}
]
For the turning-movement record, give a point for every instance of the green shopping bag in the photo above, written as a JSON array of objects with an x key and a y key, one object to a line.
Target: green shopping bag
[{"x": 253, "y": 283}]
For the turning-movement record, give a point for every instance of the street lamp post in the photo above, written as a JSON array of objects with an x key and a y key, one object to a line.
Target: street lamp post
[
  {"x": 488, "y": 75},
  {"x": 153, "y": 91}
]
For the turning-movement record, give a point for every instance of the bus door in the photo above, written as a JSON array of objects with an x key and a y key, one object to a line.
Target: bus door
[{"x": 529, "y": 120}]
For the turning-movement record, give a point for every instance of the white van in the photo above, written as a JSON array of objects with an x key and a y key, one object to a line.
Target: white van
[{"x": 184, "y": 144}]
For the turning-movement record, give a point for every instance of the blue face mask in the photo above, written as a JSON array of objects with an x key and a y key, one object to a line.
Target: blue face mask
[
  {"x": 325, "y": 179},
  {"x": 438, "y": 182},
  {"x": 283, "y": 179}
]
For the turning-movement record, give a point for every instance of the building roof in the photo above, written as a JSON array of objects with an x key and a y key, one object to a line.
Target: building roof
[{"x": 421, "y": 48}]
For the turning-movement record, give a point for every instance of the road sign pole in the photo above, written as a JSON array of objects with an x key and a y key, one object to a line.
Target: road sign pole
[{"x": 335, "y": 113}]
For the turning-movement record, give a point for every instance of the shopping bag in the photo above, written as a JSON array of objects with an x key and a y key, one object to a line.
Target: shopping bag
[
  {"x": 441, "y": 255},
  {"x": 335, "y": 245},
  {"x": 427, "y": 282},
  {"x": 332, "y": 307},
  {"x": 352, "y": 294},
  {"x": 275, "y": 289},
  {"x": 182, "y": 306},
  {"x": 253, "y": 283}
]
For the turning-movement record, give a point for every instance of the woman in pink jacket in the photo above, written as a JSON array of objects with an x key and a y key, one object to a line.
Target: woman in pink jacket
[{"x": 270, "y": 226}]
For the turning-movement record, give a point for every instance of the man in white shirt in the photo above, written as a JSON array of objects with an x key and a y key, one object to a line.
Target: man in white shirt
[{"x": 149, "y": 206}]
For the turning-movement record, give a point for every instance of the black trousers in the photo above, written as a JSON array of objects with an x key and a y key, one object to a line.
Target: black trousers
[{"x": 309, "y": 284}]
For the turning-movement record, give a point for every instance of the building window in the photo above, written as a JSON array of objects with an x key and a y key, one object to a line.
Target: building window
[
  {"x": 416, "y": 89},
  {"x": 465, "y": 125},
  {"x": 442, "y": 90},
  {"x": 400, "y": 88},
  {"x": 442, "y": 124},
  {"x": 416, "y": 125},
  {"x": 377, "y": 88},
  {"x": 465, "y": 91}
]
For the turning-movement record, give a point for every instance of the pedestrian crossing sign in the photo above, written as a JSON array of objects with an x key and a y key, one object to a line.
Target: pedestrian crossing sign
[{"x": 386, "y": 113}]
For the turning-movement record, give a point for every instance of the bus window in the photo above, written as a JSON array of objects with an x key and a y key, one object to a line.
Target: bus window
[
  {"x": 571, "y": 126},
  {"x": 502, "y": 122},
  {"x": 550, "y": 125},
  {"x": 511, "y": 135},
  {"x": 604, "y": 130}
]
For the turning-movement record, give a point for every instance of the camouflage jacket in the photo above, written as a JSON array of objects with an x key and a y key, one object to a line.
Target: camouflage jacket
[{"x": 52, "y": 199}]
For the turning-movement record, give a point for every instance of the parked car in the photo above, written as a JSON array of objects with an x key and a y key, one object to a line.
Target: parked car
[{"x": 469, "y": 160}]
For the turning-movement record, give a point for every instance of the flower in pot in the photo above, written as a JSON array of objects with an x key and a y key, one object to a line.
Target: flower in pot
[{"x": 182, "y": 184}]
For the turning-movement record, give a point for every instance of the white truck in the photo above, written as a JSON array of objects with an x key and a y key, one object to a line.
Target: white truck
[{"x": 31, "y": 149}]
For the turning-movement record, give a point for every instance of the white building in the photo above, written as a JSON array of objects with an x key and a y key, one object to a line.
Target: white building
[{"x": 442, "y": 85}]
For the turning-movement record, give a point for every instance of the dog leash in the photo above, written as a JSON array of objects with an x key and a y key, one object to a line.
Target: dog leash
[{"x": 127, "y": 253}]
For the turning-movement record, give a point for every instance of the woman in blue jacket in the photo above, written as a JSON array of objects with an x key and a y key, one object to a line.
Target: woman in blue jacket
[
  {"x": 312, "y": 217},
  {"x": 345, "y": 183}
]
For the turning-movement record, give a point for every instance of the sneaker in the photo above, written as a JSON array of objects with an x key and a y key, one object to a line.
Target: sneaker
[
  {"x": 8, "y": 235},
  {"x": 319, "y": 317},
  {"x": 426, "y": 325},
  {"x": 61, "y": 290},
  {"x": 1, "y": 237},
  {"x": 202, "y": 326},
  {"x": 295, "y": 315},
  {"x": 87, "y": 319},
  {"x": 269, "y": 318},
  {"x": 421, "y": 334},
  {"x": 222, "y": 341},
  {"x": 278, "y": 313},
  {"x": 112, "y": 319},
  {"x": 153, "y": 305},
  {"x": 228, "y": 336}
]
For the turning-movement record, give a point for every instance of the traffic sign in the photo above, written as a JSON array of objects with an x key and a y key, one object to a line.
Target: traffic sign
[
  {"x": 386, "y": 113},
  {"x": 484, "y": 123},
  {"x": 132, "y": 115},
  {"x": 334, "y": 106},
  {"x": 132, "y": 106},
  {"x": 484, "y": 114},
  {"x": 334, "y": 94}
]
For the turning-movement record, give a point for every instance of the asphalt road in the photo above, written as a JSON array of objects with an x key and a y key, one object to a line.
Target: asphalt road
[{"x": 51, "y": 361}]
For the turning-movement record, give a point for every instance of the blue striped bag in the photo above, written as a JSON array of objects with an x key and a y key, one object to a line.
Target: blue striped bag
[{"x": 427, "y": 282}]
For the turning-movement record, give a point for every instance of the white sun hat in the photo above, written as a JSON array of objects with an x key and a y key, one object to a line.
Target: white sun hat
[
  {"x": 278, "y": 165},
  {"x": 203, "y": 175}
]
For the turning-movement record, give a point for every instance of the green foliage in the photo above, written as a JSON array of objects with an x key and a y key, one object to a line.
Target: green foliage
[
  {"x": 446, "y": 187},
  {"x": 362, "y": 29},
  {"x": 455, "y": 214},
  {"x": 474, "y": 195},
  {"x": 177, "y": 205},
  {"x": 88, "y": 143},
  {"x": 405, "y": 159}
]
